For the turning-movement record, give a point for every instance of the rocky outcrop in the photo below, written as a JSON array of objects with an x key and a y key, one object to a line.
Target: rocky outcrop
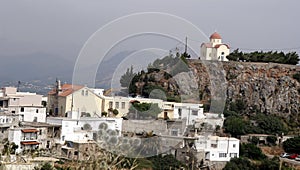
[{"x": 263, "y": 87}]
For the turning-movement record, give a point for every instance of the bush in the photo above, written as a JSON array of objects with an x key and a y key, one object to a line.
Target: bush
[
  {"x": 271, "y": 140},
  {"x": 270, "y": 164},
  {"x": 297, "y": 77},
  {"x": 251, "y": 151},
  {"x": 235, "y": 126},
  {"x": 254, "y": 140},
  {"x": 292, "y": 145},
  {"x": 239, "y": 164}
]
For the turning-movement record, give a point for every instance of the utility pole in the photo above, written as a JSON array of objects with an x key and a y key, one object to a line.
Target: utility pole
[{"x": 185, "y": 50}]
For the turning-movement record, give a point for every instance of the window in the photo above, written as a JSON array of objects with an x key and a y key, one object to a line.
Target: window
[
  {"x": 63, "y": 138},
  {"x": 195, "y": 112},
  {"x": 233, "y": 155},
  {"x": 174, "y": 132},
  {"x": 22, "y": 109},
  {"x": 123, "y": 105},
  {"x": 86, "y": 92},
  {"x": 117, "y": 105},
  {"x": 179, "y": 113},
  {"x": 222, "y": 155},
  {"x": 37, "y": 111},
  {"x": 110, "y": 104},
  {"x": 233, "y": 145},
  {"x": 222, "y": 53},
  {"x": 35, "y": 119},
  {"x": 40, "y": 131},
  {"x": 214, "y": 145},
  {"x": 82, "y": 92}
]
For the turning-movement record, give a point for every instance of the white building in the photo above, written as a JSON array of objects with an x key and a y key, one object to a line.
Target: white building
[
  {"x": 28, "y": 138},
  {"x": 84, "y": 128},
  {"x": 7, "y": 121},
  {"x": 218, "y": 148},
  {"x": 215, "y": 49},
  {"x": 27, "y": 105},
  {"x": 189, "y": 111}
]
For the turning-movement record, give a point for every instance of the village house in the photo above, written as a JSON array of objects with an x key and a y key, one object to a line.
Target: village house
[
  {"x": 189, "y": 111},
  {"x": 27, "y": 105},
  {"x": 84, "y": 128},
  {"x": 28, "y": 138},
  {"x": 67, "y": 97},
  {"x": 79, "y": 150},
  {"x": 7, "y": 120}
]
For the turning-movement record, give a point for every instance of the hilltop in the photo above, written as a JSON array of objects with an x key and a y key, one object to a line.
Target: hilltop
[{"x": 268, "y": 88}]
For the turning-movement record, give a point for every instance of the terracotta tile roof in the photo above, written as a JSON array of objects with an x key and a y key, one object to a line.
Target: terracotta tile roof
[
  {"x": 29, "y": 130},
  {"x": 67, "y": 89},
  {"x": 218, "y": 45},
  {"x": 30, "y": 143},
  {"x": 215, "y": 35}
]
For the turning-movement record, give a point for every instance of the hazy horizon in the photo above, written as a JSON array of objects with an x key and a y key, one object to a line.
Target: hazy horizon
[{"x": 40, "y": 39}]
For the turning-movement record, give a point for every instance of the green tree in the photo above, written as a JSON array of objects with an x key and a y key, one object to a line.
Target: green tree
[
  {"x": 144, "y": 110},
  {"x": 9, "y": 148},
  {"x": 251, "y": 151},
  {"x": 254, "y": 140},
  {"x": 297, "y": 77},
  {"x": 271, "y": 140},
  {"x": 260, "y": 56},
  {"x": 239, "y": 164},
  {"x": 235, "y": 126},
  {"x": 292, "y": 145},
  {"x": 104, "y": 114},
  {"x": 270, "y": 164},
  {"x": 115, "y": 112},
  {"x": 165, "y": 162},
  {"x": 270, "y": 124},
  {"x": 127, "y": 77}
]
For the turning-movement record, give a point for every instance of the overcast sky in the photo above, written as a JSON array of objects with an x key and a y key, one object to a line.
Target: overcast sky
[{"x": 57, "y": 29}]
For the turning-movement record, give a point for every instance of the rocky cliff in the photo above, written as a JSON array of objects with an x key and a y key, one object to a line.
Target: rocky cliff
[{"x": 262, "y": 87}]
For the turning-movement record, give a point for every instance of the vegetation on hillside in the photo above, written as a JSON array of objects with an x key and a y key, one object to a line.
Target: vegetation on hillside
[
  {"x": 143, "y": 110},
  {"x": 292, "y": 145},
  {"x": 252, "y": 158},
  {"x": 265, "y": 57},
  {"x": 239, "y": 123},
  {"x": 144, "y": 83}
]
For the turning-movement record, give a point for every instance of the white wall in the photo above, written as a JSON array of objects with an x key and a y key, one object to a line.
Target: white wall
[
  {"x": 72, "y": 128},
  {"x": 218, "y": 148},
  {"x": 190, "y": 111}
]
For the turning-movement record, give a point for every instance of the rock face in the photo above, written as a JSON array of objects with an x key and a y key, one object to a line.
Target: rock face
[{"x": 263, "y": 87}]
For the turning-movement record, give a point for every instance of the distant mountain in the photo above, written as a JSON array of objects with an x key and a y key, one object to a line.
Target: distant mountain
[
  {"x": 34, "y": 67},
  {"x": 38, "y": 71}
]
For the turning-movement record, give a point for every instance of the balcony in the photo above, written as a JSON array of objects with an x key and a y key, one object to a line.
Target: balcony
[{"x": 29, "y": 134}]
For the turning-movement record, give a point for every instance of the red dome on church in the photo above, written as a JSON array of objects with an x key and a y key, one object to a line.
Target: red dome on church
[{"x": 215, "y": 35}]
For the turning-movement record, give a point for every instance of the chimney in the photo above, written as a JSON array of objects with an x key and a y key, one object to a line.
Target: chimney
[{"x": 58, "y": 87}]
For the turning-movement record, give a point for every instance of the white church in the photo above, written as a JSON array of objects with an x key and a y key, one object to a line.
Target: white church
[{"x": 215, "y": 49}]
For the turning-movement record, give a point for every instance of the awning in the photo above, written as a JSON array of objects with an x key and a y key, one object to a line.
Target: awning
[
  {"x": 29, "y": 130},
  {"x": 30, "y": 143}
]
